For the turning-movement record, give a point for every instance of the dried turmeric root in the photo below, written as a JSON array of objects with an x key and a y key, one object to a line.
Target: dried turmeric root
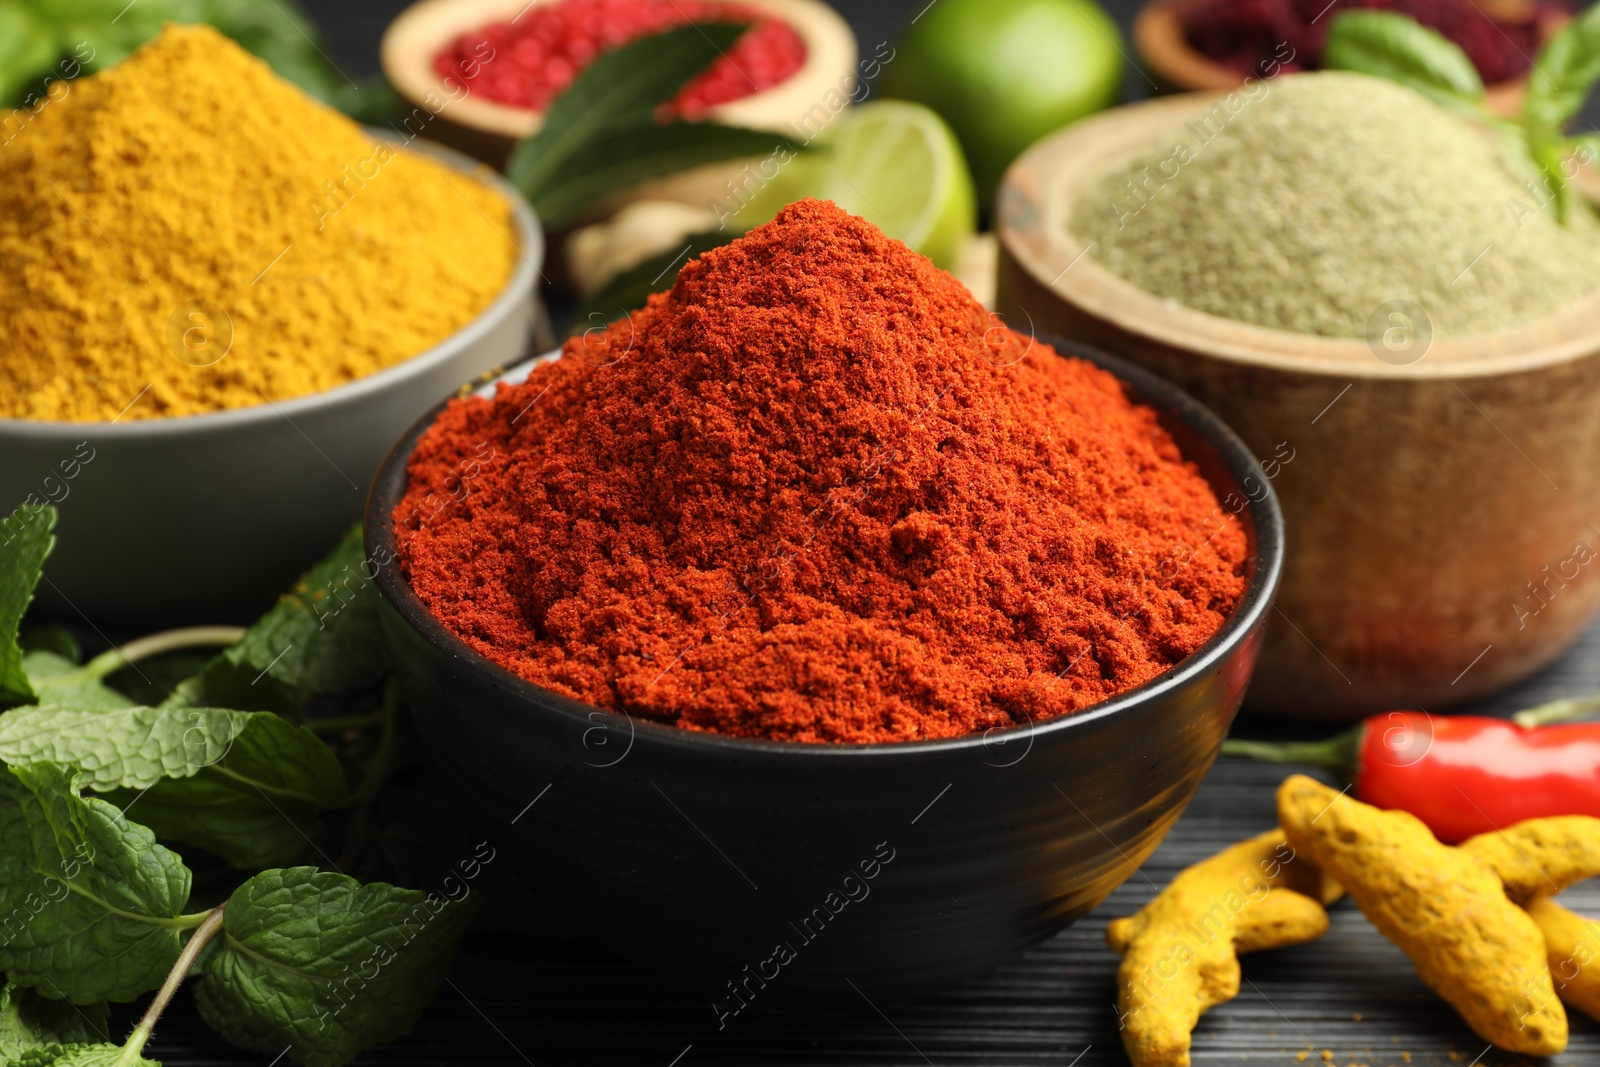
[
  {"x": 1539, "y": 857},
  {"x": 1536, "y": 859},
  {"x": 1180, "y": 953},
  {"x": 1442, "y": 906},
  {"x": 1572, "y": 945}
]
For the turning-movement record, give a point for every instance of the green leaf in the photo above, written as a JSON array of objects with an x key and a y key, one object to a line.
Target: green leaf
[
  {"x": 91, "y": 907},
  {"x": 159, "y": 676},
  {"x": 279, "y": 33},
  {"x": 83, "y": 1055},
  {"x": 56, "y": 639},
  {"x": 623, "y": 88},
  {"x": 26, "y": 538},
  {"x": 28, "y": 49},
  {"x": 28, "y": 1022},
  {"x": 1396, "y": 47},
  {"x": 59, "y": 683},
  {"x": 322, "y": 636},
  {"x": 615, "y": 160},
  {"x": 629, "y": 290},
  {"x": 324, "y": 965},
  {"x": 222, "y": 683},
  {"x": 1564, "y": 74},
  {"x": 246, "y": 786}
]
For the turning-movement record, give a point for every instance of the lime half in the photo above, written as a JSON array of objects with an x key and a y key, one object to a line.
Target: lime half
[{"x": 895, "y": 164}]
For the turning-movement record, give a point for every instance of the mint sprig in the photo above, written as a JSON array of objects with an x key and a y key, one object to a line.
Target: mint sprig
[
  {"x": 95, "y": 788},
  {"x": 1388, "y": 45}
]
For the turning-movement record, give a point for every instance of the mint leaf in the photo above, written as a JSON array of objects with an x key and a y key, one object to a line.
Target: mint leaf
[
  {"x": 221, "y": 683},
  {"x": 59, "y": 682},
  {"x": 26, "y": 538},
  {"x": 623, "y": 88},
  {"x": 1563, "y": 75},
  {"x": 324, "y": 965},
  {"x": 243, "y": 785},
  {"x": 56, "y": 639},
  {"x": 1397, "y": 47},
  {"x": 614, "y": 161},
  {"x": 323, "y": 635},
  {"x": 83, "y": 1055},
  {"x": 90, "y": 906},
  {"x": 29, "y": 1022}
]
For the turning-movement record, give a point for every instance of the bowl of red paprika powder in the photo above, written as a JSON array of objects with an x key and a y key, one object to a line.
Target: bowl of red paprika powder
[{"x": 774, "y": 873}]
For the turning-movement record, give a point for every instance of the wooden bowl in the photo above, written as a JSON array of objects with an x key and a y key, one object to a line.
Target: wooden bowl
[
  {"x": 1441, "y": 516},
  {"x": 489, "y": 130},
  {"x": 1159, "y": 38}
]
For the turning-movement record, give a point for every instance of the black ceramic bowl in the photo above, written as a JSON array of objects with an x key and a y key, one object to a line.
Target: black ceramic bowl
[{"x": 774, "y": 872}]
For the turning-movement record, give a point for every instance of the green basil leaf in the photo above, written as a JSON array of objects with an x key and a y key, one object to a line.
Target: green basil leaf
[
  {"x": 26, "y": 538},
  {"x": 1396, "y": 47},
  {"x": 246, "y": 786},
  {"x": 323, "y": 635},
  {"x": 620, "y": 89},
  {"x": 29, "y": 1021},
  {"x": 92, "y": 907},
  {"x": 1564, "y": 74},
  {"x": 325, "y": 966},
  {"x": 616, "y": 160}
]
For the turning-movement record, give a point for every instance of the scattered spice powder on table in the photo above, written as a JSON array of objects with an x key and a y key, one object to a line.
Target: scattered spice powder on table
[
  {"x": 191, "y": 172},
  {"x": 815, "y": 493},
  {"x": 528, "y": 61}
]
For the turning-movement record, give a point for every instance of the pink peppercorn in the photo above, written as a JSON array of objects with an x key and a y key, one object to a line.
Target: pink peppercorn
[{"x": 536, "y": 56}]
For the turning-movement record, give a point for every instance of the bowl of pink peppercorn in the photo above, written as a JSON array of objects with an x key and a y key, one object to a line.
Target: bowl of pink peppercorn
[{"x": 480, "y": 74}]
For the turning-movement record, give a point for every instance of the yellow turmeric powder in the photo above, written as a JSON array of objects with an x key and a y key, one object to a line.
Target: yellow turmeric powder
[
  {"x": 1180, "y": 953},
  {"x": 1443, "y": 907},
  {"x": 186, "y": 232}
]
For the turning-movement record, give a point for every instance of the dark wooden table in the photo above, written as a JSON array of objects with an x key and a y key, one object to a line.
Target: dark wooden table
[
  {"x": 1351, "y": 995},
  {"x": 1349, "y": 999}
]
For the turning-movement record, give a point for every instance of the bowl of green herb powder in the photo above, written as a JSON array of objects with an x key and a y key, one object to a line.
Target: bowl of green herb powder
[{"x": 1378, "y": 295}]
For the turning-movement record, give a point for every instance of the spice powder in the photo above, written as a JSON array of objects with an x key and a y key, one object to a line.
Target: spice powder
[{"x": 816, "y": 493}]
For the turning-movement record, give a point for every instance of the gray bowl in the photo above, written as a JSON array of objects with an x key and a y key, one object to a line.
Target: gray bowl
[
  {"x": 826, "y": 874},
  {"x": 206, "y": 518}
]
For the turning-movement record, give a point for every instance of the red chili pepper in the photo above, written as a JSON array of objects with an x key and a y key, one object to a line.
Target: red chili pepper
[{"x": 1460, "y": 774}]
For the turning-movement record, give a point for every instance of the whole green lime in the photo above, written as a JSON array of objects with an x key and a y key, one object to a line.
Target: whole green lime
[{"x": 1004, "y": 73}]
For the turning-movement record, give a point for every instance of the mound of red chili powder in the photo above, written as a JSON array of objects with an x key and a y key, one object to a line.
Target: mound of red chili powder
[{"x": 815, "y": 493}]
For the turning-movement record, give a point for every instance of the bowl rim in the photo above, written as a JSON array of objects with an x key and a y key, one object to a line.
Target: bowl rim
[
  {"x": 828, "y": 38},
  {"x": 1265, "y": 521},
  {"x": 519, "y": 287},
  {"x": 1160, "y": 41},
  {"x": 1044, "y": 185}
]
